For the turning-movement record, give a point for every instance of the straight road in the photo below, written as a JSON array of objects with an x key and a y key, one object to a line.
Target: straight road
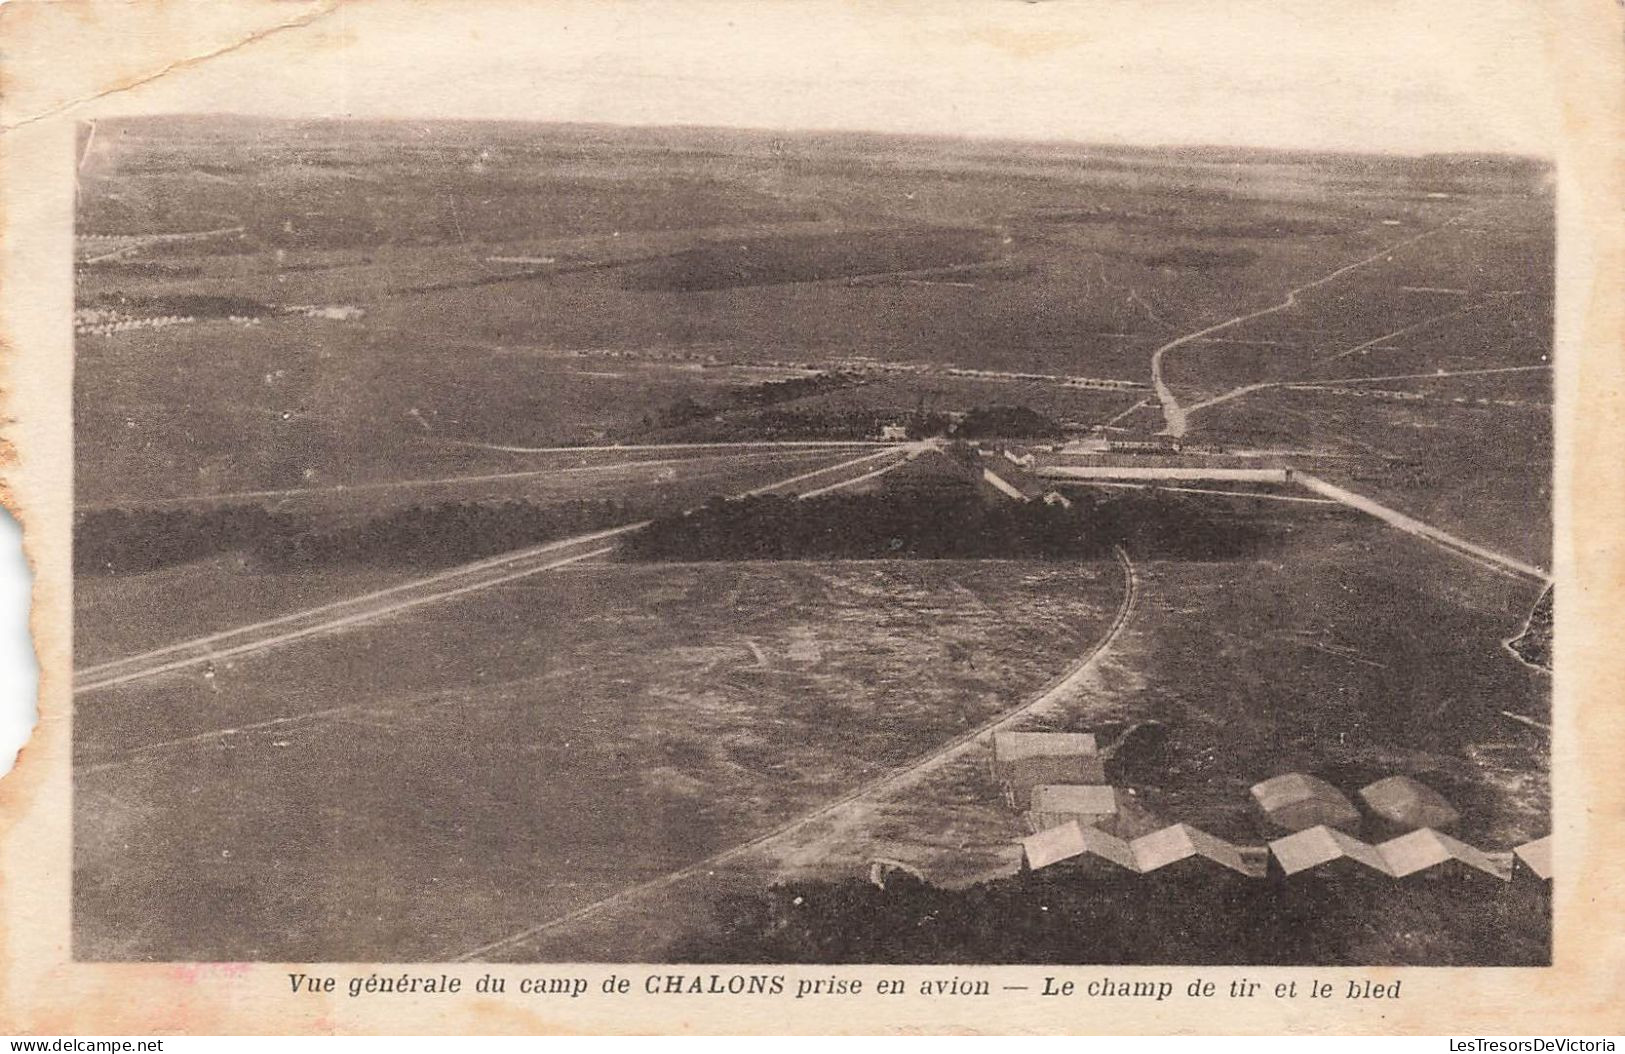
[
  {"x": 482, "y": 574},
  {"x": 328, "y": 618},
  {"x": 446, "y": 481},
  {"x": 834, "y": 444},
  {"x": 1088, "y": 473},
  {"x": 1251, "y": 494},
  {"x": 1410, "y": 525}
]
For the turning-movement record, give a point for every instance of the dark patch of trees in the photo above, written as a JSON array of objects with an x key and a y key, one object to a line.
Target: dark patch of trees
[
  {"x": 1198, "y": 259},
  {"x": 1007, "y": 422},
  {"x": 928, "y": 423},
  {"x": 195, "y": 305},
  {"x": 779, "y": 423},
  {"x": 944, "y": 524},
  {"x": 444, "y": 534},
  {"x": 1202, "y": 916},
  {"x": 134, "y": 541},
  {"x": 688, "y": 409}
]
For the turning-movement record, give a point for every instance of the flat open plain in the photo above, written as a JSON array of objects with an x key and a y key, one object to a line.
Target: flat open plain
[{"x": 550, "y": 752}]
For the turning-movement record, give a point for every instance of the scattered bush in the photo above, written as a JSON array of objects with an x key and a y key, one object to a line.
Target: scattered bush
[
  {"x": 1204, "y": 916},
  {"x": 132, "y": 541}
]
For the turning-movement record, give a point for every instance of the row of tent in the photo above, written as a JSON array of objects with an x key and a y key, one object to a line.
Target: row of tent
[
  {"x": 1418, "y": 852},
  {"x": 1320, "y": 849},
  {"x": 1079, "y": 844},
  {"x": 1058, "y": 781},
  {"x": 1297, "y": 801}
]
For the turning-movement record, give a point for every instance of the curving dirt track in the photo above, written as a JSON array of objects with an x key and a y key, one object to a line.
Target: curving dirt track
[{"x": 859, "y": 796}]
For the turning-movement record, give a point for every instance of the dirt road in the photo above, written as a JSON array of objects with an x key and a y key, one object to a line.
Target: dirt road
[
  {"x": 1174, "y": 415},
  {"x": 860, "y": 798},
  {"x": 467, "y": 578}
]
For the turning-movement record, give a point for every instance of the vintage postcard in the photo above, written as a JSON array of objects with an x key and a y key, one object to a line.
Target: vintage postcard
[{"x": 826, "y": 516}]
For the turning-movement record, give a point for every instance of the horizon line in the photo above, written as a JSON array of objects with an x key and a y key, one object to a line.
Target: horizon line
[{"x": 1016, "y": 139}]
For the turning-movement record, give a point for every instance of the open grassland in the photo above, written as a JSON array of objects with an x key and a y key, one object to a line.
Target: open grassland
[
  {"x": 121, "y": 614},
  {"x": 453, "y": 775},
  {"x": 901, "y": 396},
  {"x": 1481, "y": 471},
  {"x": 1357, "y": 654},
  {"x": 480, "y": 252},
  {"x": 538, "y": 746},
  {"x": 1421, "y": 308},
  {"x": 217, "y": 408}
]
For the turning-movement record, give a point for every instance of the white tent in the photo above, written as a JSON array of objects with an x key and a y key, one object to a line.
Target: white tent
[
  {"x": 1321, "y": 846},
  {"x": 1427, "y": 850},
  {"x": 1180, "y": 842},
  {"x": 1535, "y": 858},
  {"x": 1297, "y": 801},
  {"x": 1404, "y": 802},
  {"x": 1012, "y": 746},
  {"x": 1077, "y": 843}
]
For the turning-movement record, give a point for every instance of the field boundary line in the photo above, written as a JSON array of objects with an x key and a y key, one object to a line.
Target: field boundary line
[
  {"x": 742, "y": 444},
  {"x": 366, "y": 615},
  {"x": 461, "y": 569},
  {"x": 1411, "y": 525},
  {"x": 1311, "y": 382},
  {"x": 106, "y": 674},
  {"x": 404, "y": 484},
  {"x": 132, "y": 755},
  {"x": 1050, "y": 690},
  {"x": 1418, "y": 376},
  {"x": 877, "y": 473}
]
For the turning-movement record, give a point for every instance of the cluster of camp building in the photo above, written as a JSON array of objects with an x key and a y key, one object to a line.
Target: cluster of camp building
[{"x": 1080, "y": 822}]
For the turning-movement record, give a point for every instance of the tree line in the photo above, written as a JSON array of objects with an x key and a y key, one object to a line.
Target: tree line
[
  {"x": 754, "y": 413},
  {"x": 768, "y": 393},
  {"x": 124, "y": 541},
  {"x": 953, "y": 523}
]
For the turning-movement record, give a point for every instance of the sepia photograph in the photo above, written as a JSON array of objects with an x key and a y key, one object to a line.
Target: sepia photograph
[
  {"x": 501, "y": 540},
  {"x": 812, "y": 517}
]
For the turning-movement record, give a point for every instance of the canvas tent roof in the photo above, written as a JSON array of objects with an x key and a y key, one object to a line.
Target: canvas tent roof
[
  {"x": 1310, "y": 848},
  {"x": 1297, "y": 801},
  {"x": 1422, "y": 850},
  {"x": 1022, "y": 775},
  {"x": 1009, "y": 746},
  {"x": 1130, "y": 820},
  {"x": 1181, "y": 841},
  {"x": 1402, "y": 800},
  {"x": 1073, "y": 840},
  {"x": 1085, "y": 799},
  {"x": 1053, "y": 804},
  {"x": 1536, "y": 856}
]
